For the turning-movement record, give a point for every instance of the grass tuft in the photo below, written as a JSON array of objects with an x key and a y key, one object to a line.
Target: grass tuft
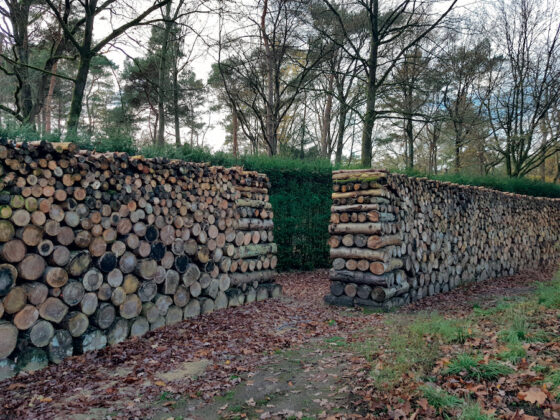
[
  {"x": 500, "y": 307},
  {"x": 554, "y": 380},
  {"x": 335, "y": 341},
  {"x": 475, "y": 368},
  {"x": 473, "y": 411},
  {"x": 514, "y": 353},
  {"x": 449, "y": 330},
  {"x": 439, "y": 399},
  {"x": 548, "y": 294},
  {"x": 404, "y": 351},
  {"x": 518, "y": 329}
]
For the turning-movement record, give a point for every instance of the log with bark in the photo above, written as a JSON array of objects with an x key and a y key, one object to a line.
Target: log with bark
[{"x": 395, "y": 239}]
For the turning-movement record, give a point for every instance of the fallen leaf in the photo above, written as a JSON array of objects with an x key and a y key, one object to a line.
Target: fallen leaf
[
  {"x": 533, "y": 395},
  {"x": 423, "y": 402},
  {"x": 16, "y": 385}
]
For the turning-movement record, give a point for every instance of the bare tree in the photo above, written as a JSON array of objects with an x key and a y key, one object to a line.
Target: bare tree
[
  {"x": 463, "y": 69},
  {"x": 26, "y": 29},
  {"x": 528, "y": 91},
  {"x": 406, "y": 95},
  {"x": 386, "y": 23},
  {"x": 266, "y": 71}
]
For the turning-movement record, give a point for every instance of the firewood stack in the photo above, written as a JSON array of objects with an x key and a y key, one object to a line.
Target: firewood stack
[
  {"x": 396, "y": 239},
  {"x": 95, "y": 248},
  {"x": 255, "y": 258},
  {"x": 366, "y": 241}
]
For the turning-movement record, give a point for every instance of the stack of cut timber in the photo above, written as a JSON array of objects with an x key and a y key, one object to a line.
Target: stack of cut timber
[
  {"x": 98, "y": 247},
  {"x": 441, "y": 234},
  {"x": 456, "y": 234},
  {"x": 254, "y": 260},
  {"x": 366, "y": 242}
]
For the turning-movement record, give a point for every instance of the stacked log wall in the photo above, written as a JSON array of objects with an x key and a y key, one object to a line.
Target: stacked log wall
[
  {"x": 425, "y": 237},
  {"x": 95, "y": 248}
]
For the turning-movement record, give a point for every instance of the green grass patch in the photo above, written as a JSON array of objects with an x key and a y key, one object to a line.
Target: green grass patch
[
  {"x": 473, "y": 367},
  {"x": 236, "y": 409},
  {"x": 520, "y": 320},
  {"x": 473, "y": 411},
  {"x": 447, "y": 405},
  {"x": 518, "y": 329},
  {"x": 335, "y": 341},
  {"x": 404, "y": 351},
  {"x": 448, "y": 330},
  {"x": 541, "y": 369},
  {"x": 441, "y": 400},
  {"x": 165, "y": 396},
  {"x": 514, "y": 354},
  {"x": 499, "y": 308},
  {"x": 548, "y": 294},
  {"x": 554, "y": 380}
]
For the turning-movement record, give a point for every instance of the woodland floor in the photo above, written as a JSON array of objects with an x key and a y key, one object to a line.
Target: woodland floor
[{"x": 485, "y": 350}]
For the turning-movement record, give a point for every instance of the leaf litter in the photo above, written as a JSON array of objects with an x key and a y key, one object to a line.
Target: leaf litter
[{"x": 488, "y": 350}]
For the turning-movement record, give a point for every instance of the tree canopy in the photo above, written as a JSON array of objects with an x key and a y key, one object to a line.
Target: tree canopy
[{"x": 422, "y": 85}]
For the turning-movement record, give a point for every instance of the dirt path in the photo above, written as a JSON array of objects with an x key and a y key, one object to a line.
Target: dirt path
[
  {"x": 285, "y": 358},
  {"x": 302, "y": 383}
]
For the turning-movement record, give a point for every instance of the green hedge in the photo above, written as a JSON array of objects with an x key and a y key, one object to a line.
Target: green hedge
[
  {"x": 525, "y": 186},
  {"x": 301, "y": 199},
  {"x": 300, "y": 195}
]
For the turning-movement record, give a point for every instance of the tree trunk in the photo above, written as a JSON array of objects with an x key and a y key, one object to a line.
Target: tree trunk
[
  {"x": 48, "y": 100},
  {"x": 542, "y": 170},
  {"x": 20, "y": 21},
  {"x": 176, "y": 98},
  {"x": 77, "y": 97},
  {"x": 326, "y": 131},
  {"x": 235, "y": 131},
  {"x": 457, "y": 154},
  {"x": 270, "y": 126},
  {"x": 83, "y": 70},
  {"x": 162, "y": 76},
  {"x": 557, "y": 177},
  {"x": 341, "y": 129},
  {"x": 370, "y": 115},
  {"x": 410, "y": 141}
]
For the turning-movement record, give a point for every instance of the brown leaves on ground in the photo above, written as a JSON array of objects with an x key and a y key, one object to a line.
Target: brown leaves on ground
[
  {"x": 499, "y": 366},
  {"x": 236, "y": 341},
  {"x": 127, "y": 378},
  {"x": 533, "y": 395}
]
